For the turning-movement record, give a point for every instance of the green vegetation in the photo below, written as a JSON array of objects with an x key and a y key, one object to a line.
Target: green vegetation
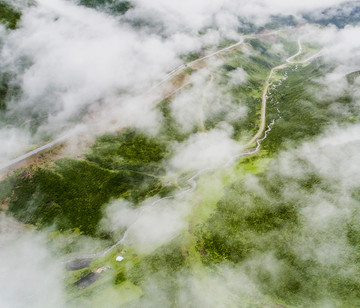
[
  {"x": 71, "y": 193},
  {"x": 352, "y": 76},
  {"x": 281, "y": 21},
  {"x": 6, "y": 187},
  {"x": 9, "y": 15},
  {"x": 261, "y": 231},
  {"x": 113, "y": 281},
  {"x": 166, "y": 260},
  {"x": 290, "y": 47},
  {"x": 132, "y": 273},
  {"x": 191, "y": 57},
  {"x": 170, "y": 128},
  {"x": 257, "y": 66},
  {"x": 113, "y": 6},
  {"x": 189, "y": 70},
  {"x": 303, "y": 116},
  {"x": 8, "y": 89},
  {"x": 249, "y": 217},
  {"x": 4, "y": 86},
  {"x": 129, "y": 150},
  {"x": 243, "y": 223}
]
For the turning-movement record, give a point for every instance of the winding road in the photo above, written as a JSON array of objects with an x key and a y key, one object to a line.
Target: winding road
[{"x": 268, "y": 83}]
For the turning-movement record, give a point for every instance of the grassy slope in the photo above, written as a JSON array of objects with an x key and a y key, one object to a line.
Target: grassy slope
[
  {"x": 8, "y": 15},
  {"x": 257, "y": 66},
  {"x": 71, "y": 193},
  {"x": 249, "y": 224}
]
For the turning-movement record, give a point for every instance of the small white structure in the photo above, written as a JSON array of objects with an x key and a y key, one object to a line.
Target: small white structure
[{"x": 119, "y": 258}]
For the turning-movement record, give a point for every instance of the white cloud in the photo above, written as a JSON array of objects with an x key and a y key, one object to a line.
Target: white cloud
[
  {"x": 211, "y": 149},
  {"x": 78, "y": 57},
  {"x": 238, "y": 77},
  {"x": 29, "y": 275},
  {"x": 154, "y": 223},
  {"x": 14, "y": 141}
]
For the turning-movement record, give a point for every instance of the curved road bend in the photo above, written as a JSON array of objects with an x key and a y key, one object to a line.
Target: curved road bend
[{"x": 268, "y": 83}]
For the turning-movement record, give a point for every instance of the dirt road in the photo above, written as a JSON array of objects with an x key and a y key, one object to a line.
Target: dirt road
[{"x": 268, "y": 83}]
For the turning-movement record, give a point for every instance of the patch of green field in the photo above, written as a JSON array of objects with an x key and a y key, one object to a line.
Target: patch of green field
[
  {"x": 253, "y": 164},
  {"x": 129, "y": 150},
  {"x": 4, "y": 87},
  {"x": 113, "y": 296},
  {"x": 170, "y": 130},
  {"x": 189, "y": 70},
  {"x": 104, "y": 293},
  {"x": 290, "y": 46},
  {"x": 113, "y": 6},
  {"x": 71, "y": 193},
  {"x": 9, "y": 15},
  {"x": 308, "y": 50},
  {"x": 257, "y": 66},
  {"x": 191, "y": 57},
  {"x": 279, "y": 21},
  {"x": 257, "y": 229},
  {"x": 303, "y": 116}
]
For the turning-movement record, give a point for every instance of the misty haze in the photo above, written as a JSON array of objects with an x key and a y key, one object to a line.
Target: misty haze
[{"x": 177, "y": 153}]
